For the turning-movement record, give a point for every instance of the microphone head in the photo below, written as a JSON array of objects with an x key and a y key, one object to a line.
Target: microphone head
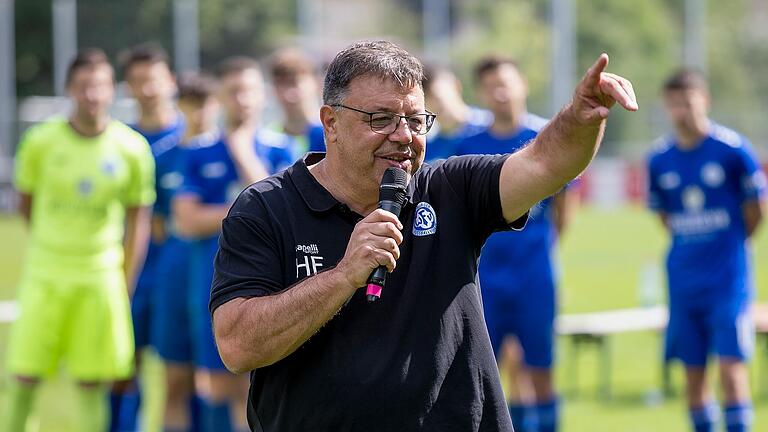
[{"x": 393, "y": 185}]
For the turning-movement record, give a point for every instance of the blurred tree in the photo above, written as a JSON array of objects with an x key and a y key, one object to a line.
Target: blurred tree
[
  {"x": 230, "y": 27},
  {"x": 34, "y": 63},
  {"x": 514, "y": 29},
  {"x": 643, "y": 42}
]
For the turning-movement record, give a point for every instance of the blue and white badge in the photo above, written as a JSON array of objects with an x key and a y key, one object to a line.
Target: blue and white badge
[{"x": 425, "y": 220}]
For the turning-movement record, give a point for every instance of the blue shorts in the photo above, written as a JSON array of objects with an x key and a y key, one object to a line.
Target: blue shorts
[
  {"x": 723, "y": 328},
  {"x": 171, "y": 335},
  {"x": 204, "y": 352},
  {"x": 528, "y": 314},
  {"x": 141, "y": 302}
]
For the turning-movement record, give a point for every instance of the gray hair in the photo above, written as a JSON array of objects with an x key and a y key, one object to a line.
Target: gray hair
[{"x": 379, "y": 58}]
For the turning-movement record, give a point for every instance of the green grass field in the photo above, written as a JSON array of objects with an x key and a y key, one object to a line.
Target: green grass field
[{"x": 603, "y": 256}]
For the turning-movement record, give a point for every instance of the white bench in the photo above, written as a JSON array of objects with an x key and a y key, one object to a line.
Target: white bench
[{"x": 596, "y": 328}]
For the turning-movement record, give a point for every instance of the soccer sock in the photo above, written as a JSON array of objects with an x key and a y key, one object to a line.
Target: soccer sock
[
  {"x": 125, "y": 410},
  {"x": 547, "y": 414},
  {"x": 19, "y": 399},
  {"x": 215, "y": 416},
  {"x": 738, "y": 417},
  {"x": 195, "y": 408},
  {"x": 523, "y": 417},
  {"x": 93, "y": 408},
  {"x": 704, "y": 418}
]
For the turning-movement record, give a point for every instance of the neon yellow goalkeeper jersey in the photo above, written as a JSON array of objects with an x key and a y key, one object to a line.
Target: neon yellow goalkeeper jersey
[{"x": 80, "y": 188}]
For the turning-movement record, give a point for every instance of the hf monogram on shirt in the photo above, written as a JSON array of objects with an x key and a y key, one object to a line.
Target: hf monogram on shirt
[{"x": 308, "y": 262}]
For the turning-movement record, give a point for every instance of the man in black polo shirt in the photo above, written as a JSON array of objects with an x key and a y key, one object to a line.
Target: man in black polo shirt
[{"x": 296, "y": 248}]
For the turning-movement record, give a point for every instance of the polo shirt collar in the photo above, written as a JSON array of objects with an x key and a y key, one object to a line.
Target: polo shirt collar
[{"x": 315, "y": 196}]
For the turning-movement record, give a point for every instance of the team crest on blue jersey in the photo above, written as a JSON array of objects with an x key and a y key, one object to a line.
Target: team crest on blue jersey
[
  {"x": 693, "y": 198},
  {"x": 425, "y": 220},
  {"x": 712, "y": 174}
]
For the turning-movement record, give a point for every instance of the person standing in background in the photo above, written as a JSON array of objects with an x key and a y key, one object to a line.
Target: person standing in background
[
  {"x": 296, "y": 88},
  {"x": 518, "y": 271},
  {"x": 708, "y": 189},
  {"x": 456, "y": 119},
  {"x": 86, "y": 184},
  {"x": 217, "y": 169},
  {"x": 152, "y": 84},
  {"x": 170, "y": 332}
]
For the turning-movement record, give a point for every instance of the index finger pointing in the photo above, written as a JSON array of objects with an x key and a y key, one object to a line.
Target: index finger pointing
[{"x": 592, "y": 77}]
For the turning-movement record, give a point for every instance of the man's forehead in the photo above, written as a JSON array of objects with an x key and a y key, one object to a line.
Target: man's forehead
[{"x": 373, "y": 89}]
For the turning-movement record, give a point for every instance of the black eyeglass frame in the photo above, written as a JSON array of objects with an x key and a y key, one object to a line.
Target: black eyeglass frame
[{"x": 429, "y": 122}]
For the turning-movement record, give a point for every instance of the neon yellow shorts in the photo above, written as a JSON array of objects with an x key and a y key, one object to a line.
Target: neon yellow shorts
[{"x": 84, "y": 321}]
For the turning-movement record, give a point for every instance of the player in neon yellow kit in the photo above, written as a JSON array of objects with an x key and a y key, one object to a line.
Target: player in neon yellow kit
[{"x": 86, "y": 184}]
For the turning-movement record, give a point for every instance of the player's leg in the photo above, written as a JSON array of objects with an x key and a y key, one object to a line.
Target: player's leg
[
  {"x": 734, "y": 344},
  {"x": 520, "y": 394},
  {"x": 688, "y": 339},
  {"x": 125, "y": 395},
  {"x": 93, "y": 407},
  {"x": 170, "y": 334},
  {"x": 34, "y": 345},
  {"x": 19, "y": 396},
  {"x": 180, "y": 388},
  {"x": 99, "y": 346},
  {"x": 535, "y": 332},
  {"x": 536, "y": 335}
]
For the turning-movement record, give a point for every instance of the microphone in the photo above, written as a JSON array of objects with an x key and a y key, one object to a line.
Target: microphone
[{"x": 391, "y": 198}]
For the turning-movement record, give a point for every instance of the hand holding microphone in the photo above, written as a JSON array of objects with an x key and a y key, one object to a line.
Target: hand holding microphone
[
  {"x": 375, "y": 239},
  {"x": 391, "y": 198}
]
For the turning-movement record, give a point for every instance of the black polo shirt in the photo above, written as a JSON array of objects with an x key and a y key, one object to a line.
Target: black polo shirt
[{"x": 417, "y": 359}]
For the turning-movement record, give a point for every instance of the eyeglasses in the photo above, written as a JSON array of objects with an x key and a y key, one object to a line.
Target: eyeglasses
[{"x": 386, "y": 123}]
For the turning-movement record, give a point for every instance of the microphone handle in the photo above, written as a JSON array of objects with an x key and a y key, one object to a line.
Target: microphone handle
[{"x": 378, "y": 277}]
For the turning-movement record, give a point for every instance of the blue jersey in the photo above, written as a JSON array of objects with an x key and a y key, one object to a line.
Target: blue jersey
[
  {"x": 701, "y": 192},
  {"x": 166, "y": 151},
  {"x": 313, "y": 139},
  {"x": 211, "y": 175},
  {"x": 516, "y": 260},
  {"x": 442, "y": 145}
]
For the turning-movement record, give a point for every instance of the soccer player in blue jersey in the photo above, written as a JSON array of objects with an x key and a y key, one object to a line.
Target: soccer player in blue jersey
[
  {"x": 456, "y": 119},
  {"x": 707, "y": 188},
  {"x": 216, "y": 171},
  {"x": 518, "y": 275},
  {"x": 297, "y": 92},
  {"x": 152, "y": 84},
  {"x": 170, "y": 333}
]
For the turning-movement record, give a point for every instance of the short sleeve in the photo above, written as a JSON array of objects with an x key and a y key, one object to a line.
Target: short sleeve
[
  {"x": 247, "y": 263},
  {"x": 28, "y": 162},
  {"x": 140, "y": 190},
  {"x": 752, "y": 181},
  {"x": 192, "y": 183},
  {"x": 475, "y": 179}
]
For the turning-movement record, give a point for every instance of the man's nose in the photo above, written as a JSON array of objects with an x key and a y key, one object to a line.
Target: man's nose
[{"x": 402, "y": 134}]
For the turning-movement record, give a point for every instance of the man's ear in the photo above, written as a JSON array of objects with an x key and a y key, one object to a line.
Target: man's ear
[{"x": 329, "y": 119}]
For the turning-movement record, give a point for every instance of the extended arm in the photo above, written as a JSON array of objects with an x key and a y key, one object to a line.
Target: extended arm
[
  {"x": 566, "y": 145},
  {"x": 259, "y": 331},
  {"x": 137, "y": 232},
  {"x": 753, "y": 212}
]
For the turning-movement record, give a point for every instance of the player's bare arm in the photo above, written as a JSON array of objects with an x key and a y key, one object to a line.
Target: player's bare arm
[
  {"x": 25, "y": 206},
  {"x": 195, "y": 219},
  {"x": 249, "y": 167},
  {"x": 754, "y": 212},
  {"x": 259, "y": 331},
  {"x": 137, "y": 233},
  {"x": 567, "y": 144}
]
